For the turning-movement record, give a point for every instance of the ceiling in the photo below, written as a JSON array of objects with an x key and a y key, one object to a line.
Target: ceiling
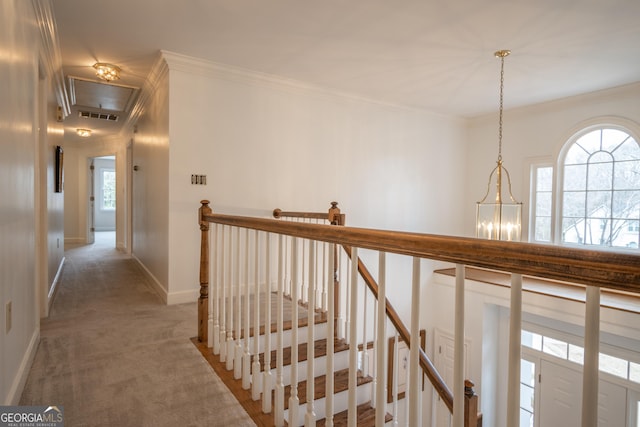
[{"x": 435, "y": 55}]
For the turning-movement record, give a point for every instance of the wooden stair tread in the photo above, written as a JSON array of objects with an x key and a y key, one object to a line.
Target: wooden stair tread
[
  {"x": 340, "y": 383},
  {"x": 366, "y": 417},
  {"x": 320, "y": 350}
]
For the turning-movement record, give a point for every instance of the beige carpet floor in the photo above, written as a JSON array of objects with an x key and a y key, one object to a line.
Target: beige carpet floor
[{"x": 113, "y": 355}]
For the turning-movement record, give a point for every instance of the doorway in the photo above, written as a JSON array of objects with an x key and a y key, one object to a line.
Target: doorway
[{"x": 101, "y": 209}]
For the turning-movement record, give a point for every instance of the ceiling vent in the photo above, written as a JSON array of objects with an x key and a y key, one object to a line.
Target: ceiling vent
[{"x": 100, "y": 116}]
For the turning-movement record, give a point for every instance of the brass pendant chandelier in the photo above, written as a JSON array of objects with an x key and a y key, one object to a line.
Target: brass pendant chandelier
[{"x": 497, "y": 219}]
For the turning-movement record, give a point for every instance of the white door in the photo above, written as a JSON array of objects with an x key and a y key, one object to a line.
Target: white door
[
  {"x": 561, "y": 399},
  {"x": 443, "y": 361}
]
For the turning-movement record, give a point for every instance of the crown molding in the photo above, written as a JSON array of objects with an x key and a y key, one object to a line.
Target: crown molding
[
  {"x": 211, "y": 69},
  {"x": 158, "y": 72},
  {"x": 50, "y": 51}
]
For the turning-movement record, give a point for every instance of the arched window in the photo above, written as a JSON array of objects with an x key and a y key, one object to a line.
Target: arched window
[{"x": 598, "y": 194}]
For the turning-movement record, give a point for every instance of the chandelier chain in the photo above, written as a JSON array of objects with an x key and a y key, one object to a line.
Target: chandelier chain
[{"x": 501, "y": 104}]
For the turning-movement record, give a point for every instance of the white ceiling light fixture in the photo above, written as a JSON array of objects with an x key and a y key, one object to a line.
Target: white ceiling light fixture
[
  {"x": 84, "y": 133},
  {"x": 495, "y": 219},
  {"x": 108, "y": 72}
]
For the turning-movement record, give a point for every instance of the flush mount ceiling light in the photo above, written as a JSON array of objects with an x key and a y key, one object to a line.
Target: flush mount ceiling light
[
  {"x": 108, "y": 72},
  {"x": 495, "y": 219},
  {"x": 84, "y": 133}
]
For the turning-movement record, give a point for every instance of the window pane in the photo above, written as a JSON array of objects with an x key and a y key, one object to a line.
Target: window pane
[
  {"x": 573, "y": 230},
  {"x": 543, "y": 229},
  {"x": 613, "y": 365},
  {"x": 544, "y": 179},
  {"x": 574, "y": 204},
  {"x": 612, "y": 138},
  {"x": 576, "y": 354},
  {"x": 575, "y": 177},
  {"x": 528, "y": 373},
  {"x": 526, "y": 398},
  {"x": 590, "y": 141},
  {"x": 543, "y": 204},
  {"x": 629, "y": 150},
  {"x": 600, "y": 176},
  {"x": 526, "y": 418},
  {"x": 576, "y": 155},
  {"x": 626, "y": 205},
  {"x": 627, "y": 175},
  {"x": 599, "y": 204},
  {"x": 531, "y": 340},
  {"x": 634, "y": 372},
  {"x": 554, "y": 347},
  {"x": 108, "y": 189}
]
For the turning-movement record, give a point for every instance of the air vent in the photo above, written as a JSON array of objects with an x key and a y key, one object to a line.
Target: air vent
[{"x": 100, "y": 116}]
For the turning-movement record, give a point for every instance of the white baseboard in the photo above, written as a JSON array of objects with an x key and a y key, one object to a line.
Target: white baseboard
[
  {"x": 20, "y": 379},
  {"x": 183, "y": 297},
  {"x": 155, "y": 283}
]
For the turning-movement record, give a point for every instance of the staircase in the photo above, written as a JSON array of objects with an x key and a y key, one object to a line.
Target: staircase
[{"x": 365, "y": 411}]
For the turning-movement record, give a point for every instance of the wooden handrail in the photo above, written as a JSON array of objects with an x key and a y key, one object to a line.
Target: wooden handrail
[
  {"x": 596, "y": 268},
  {"x": 426, "y": 364}
]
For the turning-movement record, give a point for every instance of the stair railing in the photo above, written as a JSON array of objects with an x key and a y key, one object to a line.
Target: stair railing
[{"x": 597, "y": 269}]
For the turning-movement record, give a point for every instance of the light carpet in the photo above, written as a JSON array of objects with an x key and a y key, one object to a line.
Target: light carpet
[{"x": 113, "y": 355}]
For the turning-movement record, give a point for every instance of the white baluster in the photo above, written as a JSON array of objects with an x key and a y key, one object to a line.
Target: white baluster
[
  {"x": 279, "y": 393},
  {"x": 304, "y": 286},
  {"x": 394, "y": 389},
  {"x": 267, "y": 380},
  {"x": 342, "y": 290},
  {"x": 347, "y": 303},
  {"x": 591, "y": 358},
  {"x": 415, "y": 377},
  {"x": 353, "y": 341},
  {"x": 213, "y": 310},
  {"x": 364, "y": 358},
  {"x": 237, "y": 364},
  {"x": 458, "y": 350},
  {"x": 223, "y": 298},
  {"x": 255, "y": 383},
  {"x": 310, "y": 416},
  {"x": 294, "y": 401},
  {"x": 246, "y": 358},
  {"x": 381, "y": 348},
  {"x": 216, "y": 291},
  {"x": 323, "y": 298},
  {"x": 515, "y": 350},
  {"x": 230, "y": 343},
  {"x": 330, "y": 337}
]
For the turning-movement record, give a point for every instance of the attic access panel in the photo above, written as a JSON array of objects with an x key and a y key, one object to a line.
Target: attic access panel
[{"x": 99, "y": 95}]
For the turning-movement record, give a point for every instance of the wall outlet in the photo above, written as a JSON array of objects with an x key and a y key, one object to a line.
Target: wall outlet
[{"x": 8, "y": 316}]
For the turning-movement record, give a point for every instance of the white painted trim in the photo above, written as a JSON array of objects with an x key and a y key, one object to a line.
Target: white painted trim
[
  {"x": 183, "y": 297},
  {"x": 153, "y": 281},
  {"x": 20, "y": 379},
  {"x": 51, "y": 51},
  {"x": 210, "y": 69}
]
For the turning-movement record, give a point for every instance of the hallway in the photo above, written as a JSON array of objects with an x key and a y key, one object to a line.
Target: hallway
[{"x": 112, "y": 354}]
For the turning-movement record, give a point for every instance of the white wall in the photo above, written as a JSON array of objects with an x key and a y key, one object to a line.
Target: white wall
[
  {"x": 537, "y": 132},
  {"x": 30, "y": 213},
  {"x": 265, "y": 142},
  {"x": 150, "y": 182}
]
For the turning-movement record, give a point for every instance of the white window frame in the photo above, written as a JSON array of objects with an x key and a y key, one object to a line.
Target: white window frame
[{"x": 557, "y": 164}]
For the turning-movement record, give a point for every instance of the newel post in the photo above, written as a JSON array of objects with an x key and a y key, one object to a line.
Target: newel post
[
  {"x": 203, "y": 300},
  {"x": 335, "y": 217},
  {"x": 470, "y": 405}
]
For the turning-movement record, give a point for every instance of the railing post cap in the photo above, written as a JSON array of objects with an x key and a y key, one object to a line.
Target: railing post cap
[
  {"x": 204, "y": 202},
  {"x": 277, "y": 212}
]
